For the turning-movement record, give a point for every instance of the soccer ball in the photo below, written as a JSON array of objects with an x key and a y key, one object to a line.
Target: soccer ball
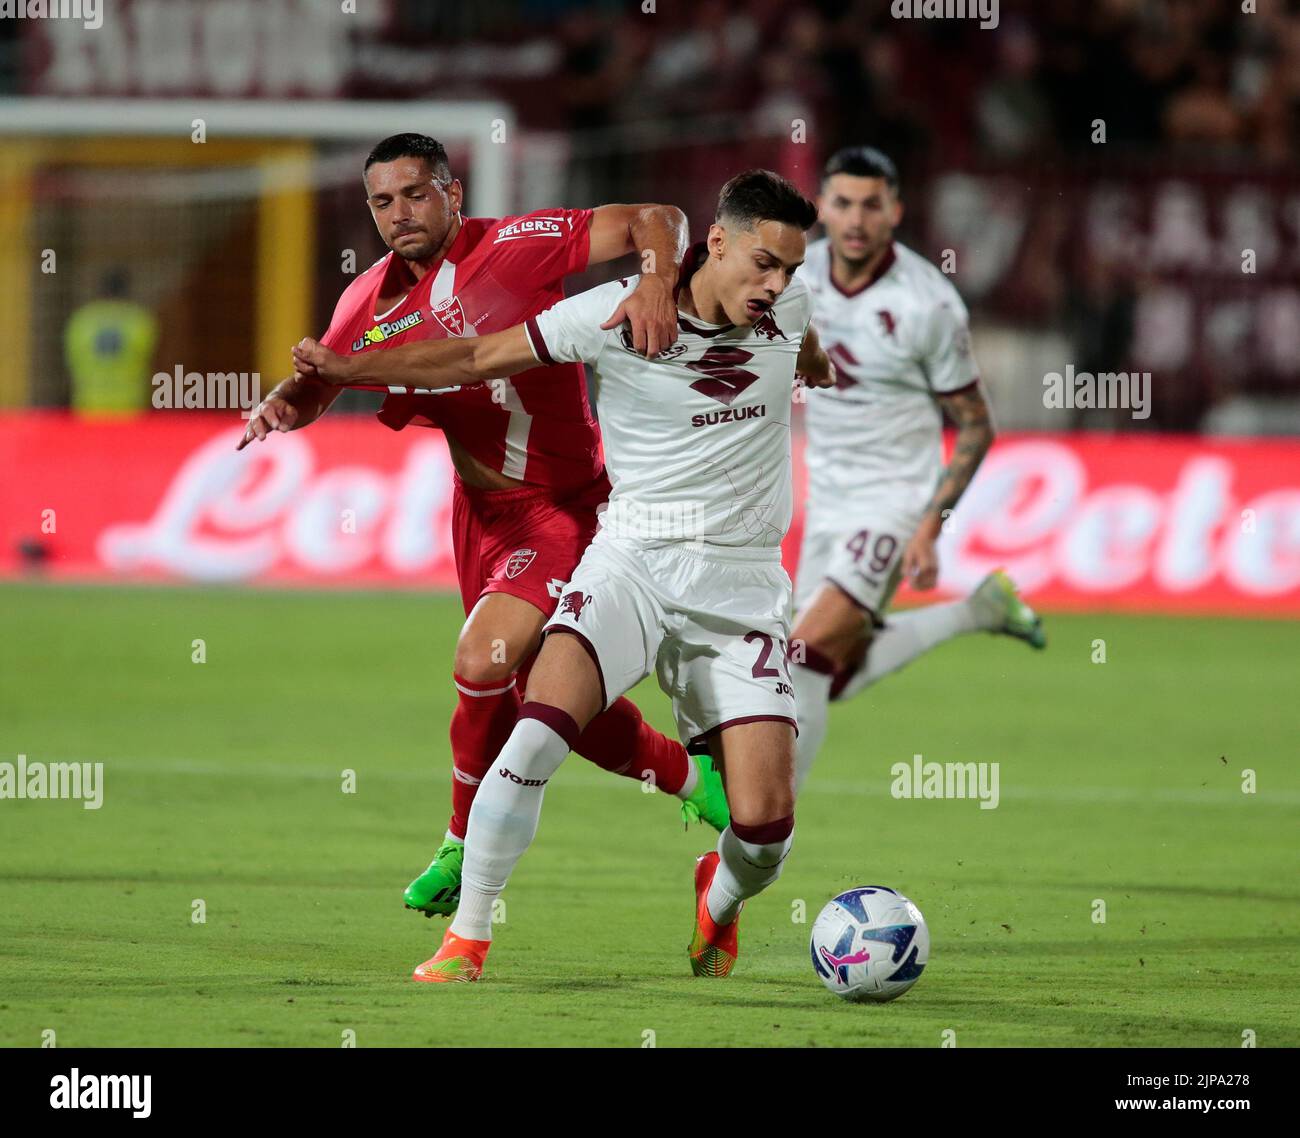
[{"x": 870, "y": 944}]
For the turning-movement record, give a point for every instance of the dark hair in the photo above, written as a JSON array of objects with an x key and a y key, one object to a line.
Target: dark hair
[
  {"x": 862, "y": 162},
  {"x": 760, "y": 195},
  {"x": 412, "y": 146}
]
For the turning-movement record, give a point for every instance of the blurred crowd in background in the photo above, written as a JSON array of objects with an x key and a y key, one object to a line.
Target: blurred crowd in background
[
  {"x": 1164, "y": 73},
  {"x": 1114, "y": 181}
]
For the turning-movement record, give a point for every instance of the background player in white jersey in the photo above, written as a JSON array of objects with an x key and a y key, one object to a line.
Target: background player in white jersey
[
  {"x": 684, "y": 578},
  {"x": 878, "y": 492}
]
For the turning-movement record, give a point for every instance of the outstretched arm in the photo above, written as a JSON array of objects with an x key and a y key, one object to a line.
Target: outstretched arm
[
  {"x": 427, "y": 363},
  {"x": 293, "y": 403},
  {"x": 658, "y": 235}
]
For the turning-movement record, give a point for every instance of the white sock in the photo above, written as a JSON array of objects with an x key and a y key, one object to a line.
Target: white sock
[
  {"x": 450, "y": 837},
  {"x": 812, "y": 694},
  {"x": 503, "y": 821},
  {"x": 744, "y": 869},
  {"x": 910, "y": 634},
  {"x": 692, "y": 779}
]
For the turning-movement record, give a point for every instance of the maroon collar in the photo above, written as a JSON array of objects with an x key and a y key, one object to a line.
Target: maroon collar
[{"x": 886, "y": 263}]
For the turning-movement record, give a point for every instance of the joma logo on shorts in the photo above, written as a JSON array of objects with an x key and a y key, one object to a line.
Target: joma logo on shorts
[
  {"x": 504, "y": 772},
  {"x": 730, "y": 415}
]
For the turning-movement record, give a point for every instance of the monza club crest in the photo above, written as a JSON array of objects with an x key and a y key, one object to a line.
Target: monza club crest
[
  {"x": 450, "y": 315},
  {"x": 519, "y": 561}
]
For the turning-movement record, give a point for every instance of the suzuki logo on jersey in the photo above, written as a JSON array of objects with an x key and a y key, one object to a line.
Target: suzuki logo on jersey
[
  {"x": 530, "y": 227},
  {"x": 450, "y": 315},
  {"x": 571, "y": 604},
  {"x": 887, "y": 322},
  {"x": 386, "y": 331},
  {"x": 519, "y": 561},
  {"x": 730, "y": 415}
]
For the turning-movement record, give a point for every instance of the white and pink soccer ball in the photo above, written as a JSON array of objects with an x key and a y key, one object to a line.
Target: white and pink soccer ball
[{"x": 870, "y": 944}]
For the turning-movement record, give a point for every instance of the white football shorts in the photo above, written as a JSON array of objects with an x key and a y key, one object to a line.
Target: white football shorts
[
  {"x": 858, "y": 549},
  {"x": 712, "y": 622}
]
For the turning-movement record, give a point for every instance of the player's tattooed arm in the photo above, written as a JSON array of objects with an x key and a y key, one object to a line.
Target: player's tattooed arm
[
  {"x": 426, "y": 364},
  {"x": 291, "y": 404},
  {"x": 814, "y": 366},
  {"x": 969, "y": 411},
  {"x": 658, "y": 235}
]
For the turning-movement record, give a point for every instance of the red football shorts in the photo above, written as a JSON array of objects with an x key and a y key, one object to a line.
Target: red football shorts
[{"x": 525, "y": 541}]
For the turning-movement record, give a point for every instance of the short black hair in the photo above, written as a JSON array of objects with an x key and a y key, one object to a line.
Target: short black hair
[
  {"x": 412, "y": 146},
  {"x": 761, "y": 195},
  {"x": 862, "y": 162}
]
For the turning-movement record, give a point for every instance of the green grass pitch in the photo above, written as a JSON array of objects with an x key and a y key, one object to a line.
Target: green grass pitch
[{"x": 1120, "y": 781}]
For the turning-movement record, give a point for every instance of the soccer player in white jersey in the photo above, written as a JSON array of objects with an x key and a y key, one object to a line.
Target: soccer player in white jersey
[
  {"x": 684, "y": 578},
  {"x": 897, "y": 332}
]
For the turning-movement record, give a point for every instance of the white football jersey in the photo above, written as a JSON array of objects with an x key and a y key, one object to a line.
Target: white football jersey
[
  {"x": 897, "y": 342},
  {"x": 697, "y": 440}
]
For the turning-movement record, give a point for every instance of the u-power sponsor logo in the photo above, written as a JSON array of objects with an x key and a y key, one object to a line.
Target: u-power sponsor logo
[{"x": 387, "y": 330}]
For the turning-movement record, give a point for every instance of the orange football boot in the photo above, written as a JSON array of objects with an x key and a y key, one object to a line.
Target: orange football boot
[
  {"x": 457, "y": 961},
  {"x": 714, "y": 947}
]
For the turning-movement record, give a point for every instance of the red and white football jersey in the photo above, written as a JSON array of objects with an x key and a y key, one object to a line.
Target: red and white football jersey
[{"x": 536, "y": 426}]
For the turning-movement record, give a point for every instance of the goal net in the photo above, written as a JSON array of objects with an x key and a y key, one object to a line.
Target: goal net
[{"x": 234, "y": 224}]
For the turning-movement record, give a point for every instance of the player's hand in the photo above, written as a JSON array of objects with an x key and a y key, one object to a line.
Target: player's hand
[
  {"x": 652, "y": 312},
  {"x": 313, "y": 360},
  {"x": 274, "y": 413},
  {"x": 825, "y": 378},
  {"x": 921, "y": 562}
]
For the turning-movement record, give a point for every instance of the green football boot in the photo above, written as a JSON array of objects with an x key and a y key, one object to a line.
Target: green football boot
[
  {"x": 708, "y": 801},
  {"x": 997, "y": 594},
  {"x": 436, "y": 892}
]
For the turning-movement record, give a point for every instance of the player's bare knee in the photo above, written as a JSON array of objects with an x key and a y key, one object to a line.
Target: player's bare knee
[
  {"x": 757, "y": 807},
  {"x": 830, "y": 631},
  {"x": 482, "y": 659},
  {"x": 832, "y": 652}
]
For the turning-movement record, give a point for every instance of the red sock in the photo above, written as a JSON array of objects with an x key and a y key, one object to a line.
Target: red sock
[
  {"x": 484, "y": 717},
  {"x": 619, "y": 740}
]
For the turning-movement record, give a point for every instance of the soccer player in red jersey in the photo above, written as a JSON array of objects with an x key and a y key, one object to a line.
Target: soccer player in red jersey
[{"x": 526, "y": 449}]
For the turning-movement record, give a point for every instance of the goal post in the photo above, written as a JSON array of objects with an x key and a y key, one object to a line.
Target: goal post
[{"x": 165, "y": 183}]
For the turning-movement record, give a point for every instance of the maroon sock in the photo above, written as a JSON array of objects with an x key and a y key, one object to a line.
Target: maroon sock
[{"x": 619, "y": 740}]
